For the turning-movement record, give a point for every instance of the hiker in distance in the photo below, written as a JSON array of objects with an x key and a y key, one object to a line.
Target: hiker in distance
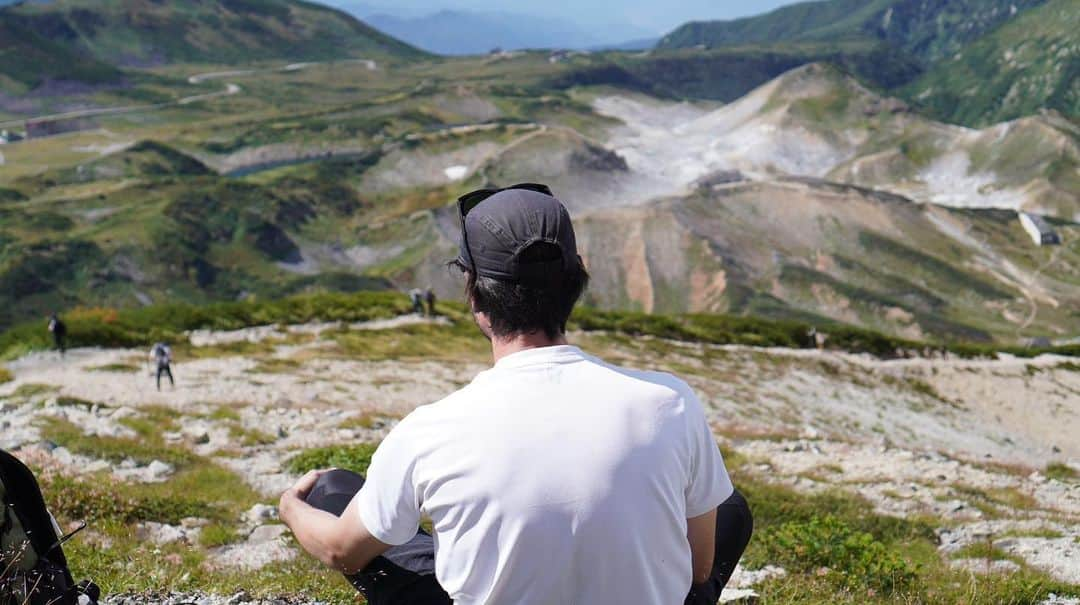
[
  {"x": 553, "y": 477},
  {"x": 161, "y": 355},
  {"x": 416, "y": 298},
  {"x": 59, "y": 333},
  {"x": 430, "y": 299}
]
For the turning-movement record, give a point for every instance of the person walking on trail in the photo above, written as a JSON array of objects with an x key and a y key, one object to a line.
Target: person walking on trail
[
  {"x": 416, "y": 297},
  {"x": 59, "y": 333},
  {"x": 161, "y": 355},
  {"x": 551, "y": 478},
  {"x": 429, "y": 298}
]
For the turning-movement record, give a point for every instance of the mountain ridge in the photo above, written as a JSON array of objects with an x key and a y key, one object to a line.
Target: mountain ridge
[
  {"x": 465, "y": 32},
  {"x": 928, "y": 30},
  {"x": 140, "y": 33},
  {"x": 979, "y": 62},
  {"x": 1029, "y": 63}
]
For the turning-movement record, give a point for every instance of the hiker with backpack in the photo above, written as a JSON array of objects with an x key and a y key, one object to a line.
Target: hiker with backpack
[
  {"x": 161, "y": 355},
  {"x": 553, "y": 477},
  {"x": 33, "y": 568},
  {"x": 59, "y": 333}
]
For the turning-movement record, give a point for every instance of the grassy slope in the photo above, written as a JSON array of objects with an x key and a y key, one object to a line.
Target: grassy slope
[
  {"x": 141, "y": 327},
  {"x": 191, "y": 235},
  {"x": 725, "y": 74},
  {"x": 1029, "y": 63},
  {"x": 928, "y": 31},
  {"x": 27, "y": 60},
  {"x": 985, "y": 61},
  {"x": 141, "y": 32},
  {"x": 176, "y": 231}
]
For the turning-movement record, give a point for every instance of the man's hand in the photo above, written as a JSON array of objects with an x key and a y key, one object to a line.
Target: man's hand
[
  {"x": 297, "y": 494},
  {"x": 342, "y": 543},
  {"x": 303, "y": 485}
]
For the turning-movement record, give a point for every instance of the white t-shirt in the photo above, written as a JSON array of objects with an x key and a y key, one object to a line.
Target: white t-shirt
[{"x": 553, "y": 478}]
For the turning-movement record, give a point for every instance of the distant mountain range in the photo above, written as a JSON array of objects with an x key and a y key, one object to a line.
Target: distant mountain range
[
  {"x": 455, "y": 32},
  {"x": 451, "y": 32}
]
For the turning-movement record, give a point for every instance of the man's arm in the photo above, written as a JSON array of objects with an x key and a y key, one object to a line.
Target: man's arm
[
  {"x": 342, "y": 543},
  {"x": 701, "y": 532}
]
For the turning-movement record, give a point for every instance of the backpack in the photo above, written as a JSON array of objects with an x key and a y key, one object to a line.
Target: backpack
[{"x": 33, "y": 569}]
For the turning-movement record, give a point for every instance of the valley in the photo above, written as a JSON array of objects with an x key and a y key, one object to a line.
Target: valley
[{"x": 345, "y": 182}]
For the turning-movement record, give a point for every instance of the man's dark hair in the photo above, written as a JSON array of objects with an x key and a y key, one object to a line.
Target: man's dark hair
[{"x": 528, "y": 309}]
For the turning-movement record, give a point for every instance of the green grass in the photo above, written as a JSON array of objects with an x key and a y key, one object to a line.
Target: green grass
[
  {"x": 458, "y": 342},
  {"x": 853, "y": 559},
  {"x": 1061, "y": 472},
  {"x": 6, "y": 375},
  {"x": 143, "y": 449},
  {"x": 355, "y": 458},
  {"x": 30, "y": 390},
  {"x": 144, "y": 326},
  {"x": 837, "y": 550},
  {"x": 250, "y": 437},
  {"x": 66, "y": 401},
  {"x": 141, "y": 327},
  {"x": 218, "y": 534},
  {"x": 125, "y": 368},
  {"x": 225, "y": 413}
]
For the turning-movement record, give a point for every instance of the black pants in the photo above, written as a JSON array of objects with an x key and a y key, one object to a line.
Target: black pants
[
  {"x": 405, "y": 575},
  {"x": 163, "y": 368}
]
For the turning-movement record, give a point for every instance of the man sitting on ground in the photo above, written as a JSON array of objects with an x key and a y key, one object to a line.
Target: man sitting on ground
[{"x": 553, "y": 477}]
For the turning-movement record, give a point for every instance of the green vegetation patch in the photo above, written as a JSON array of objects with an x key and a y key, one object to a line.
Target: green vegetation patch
[
  {"x": 126, "y": 368},
  {"x": 457, "y": 342},
  {"x": 355, "y": 458},
  {"x": 144, "y": 326},
  {"x": 855, "y": 559},
  {"x": 143, "y": 449},
  {"x": 838, "y": 550},
  {"x": 30, "y": 390},
  {"x": 250, "y": 437},
  {"x": 1061, "y": 472},
  {"x": 6, "y": 375}
]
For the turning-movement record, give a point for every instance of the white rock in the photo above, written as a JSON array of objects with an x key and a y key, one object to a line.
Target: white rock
[
  {"x": 266, "y": 533},
  {"x": 160, "y": 533},
  {"x": 738, "y": 595},
  {"x": 259, "y": 513}
]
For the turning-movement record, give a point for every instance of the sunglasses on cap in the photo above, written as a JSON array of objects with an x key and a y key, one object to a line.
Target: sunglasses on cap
[{"x": 471, "y": 200}]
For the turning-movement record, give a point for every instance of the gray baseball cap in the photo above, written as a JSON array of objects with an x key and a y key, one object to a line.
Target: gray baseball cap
[{"x": 499, "y": 226}]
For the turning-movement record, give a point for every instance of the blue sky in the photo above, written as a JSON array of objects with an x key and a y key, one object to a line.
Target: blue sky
[{"x": 652, "y": 17}]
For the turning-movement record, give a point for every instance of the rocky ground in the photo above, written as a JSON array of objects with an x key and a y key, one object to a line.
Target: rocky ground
[{"x": 964, "y": 442}]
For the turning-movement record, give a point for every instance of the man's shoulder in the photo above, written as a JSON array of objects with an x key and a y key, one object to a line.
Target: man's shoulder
[
  {"x": 656, "y": 378},
  {"x": 436, "y": 410}
]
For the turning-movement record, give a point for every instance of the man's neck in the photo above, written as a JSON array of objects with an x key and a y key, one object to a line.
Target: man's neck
[{"x": 502, "y": 347}]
